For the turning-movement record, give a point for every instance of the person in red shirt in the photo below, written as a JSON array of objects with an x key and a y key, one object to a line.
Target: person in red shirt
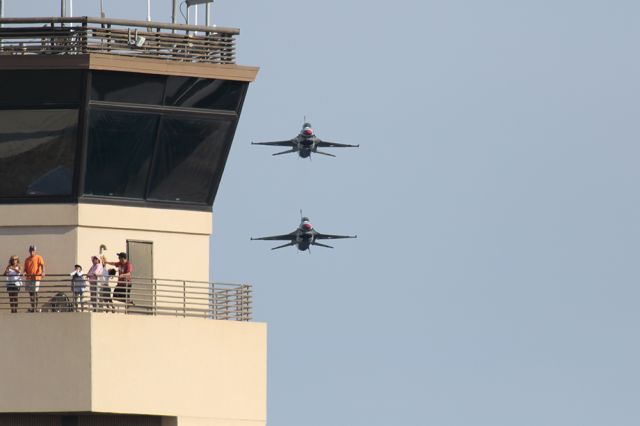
[
  {"x": 33, "y": 271},
  {"x": 125, "y": 269}
]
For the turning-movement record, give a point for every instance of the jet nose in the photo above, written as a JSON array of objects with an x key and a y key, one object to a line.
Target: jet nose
[
  {"x": 307, "y": 226},
  {"x": 308, "y": 131}
]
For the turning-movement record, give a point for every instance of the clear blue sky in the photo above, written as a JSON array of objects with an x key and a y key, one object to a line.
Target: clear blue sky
[{"x": 495, "y": 194}]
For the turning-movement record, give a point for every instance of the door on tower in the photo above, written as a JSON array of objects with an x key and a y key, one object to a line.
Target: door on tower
[{"x": 141, "y": 257}]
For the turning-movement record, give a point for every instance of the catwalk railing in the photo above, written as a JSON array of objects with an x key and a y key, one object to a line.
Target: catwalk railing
[
  {"x": 142, "y": 296},
  {"x": 142, "y": 39}
]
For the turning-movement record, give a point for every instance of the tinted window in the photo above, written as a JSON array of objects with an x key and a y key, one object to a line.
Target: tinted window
[
  {"x": 119, "y": 149},
  {"x": 37, "y": 151},
  {"x": 127, "y": 87},
  {"x": 190, "y": 155},
  {"x": 40, "y": 87},
  {"x": 200, "y": 93}
]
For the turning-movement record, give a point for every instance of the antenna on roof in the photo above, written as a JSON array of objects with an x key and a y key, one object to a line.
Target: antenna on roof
[
  {"x": 63, "y": 8},
  {"x": 174, "y": 12},
  {"x": 148, "y": 10},
  {"x": 207, "y": 20},
  {"x": 196, "y": 3},
  {"x": 102, "y": 15}
]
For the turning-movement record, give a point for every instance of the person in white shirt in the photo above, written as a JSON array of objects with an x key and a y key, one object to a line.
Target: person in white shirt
[
  {"x": 78, "y": 285},
  {"x": 12, "y": 273}
]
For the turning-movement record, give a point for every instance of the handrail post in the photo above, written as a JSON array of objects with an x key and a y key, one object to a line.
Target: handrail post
[
  {"x": 226, "y": 303},
  {"x": 213, "y": 301},
  {"x": 248, "y": 301},
  {"x": 1, "y": 16},
  {"x": 238, "y": 304},
  {"x": 84, "y": 38},
  {"x": 155, "y": 297},
  {"x": 184, "y": 298}
]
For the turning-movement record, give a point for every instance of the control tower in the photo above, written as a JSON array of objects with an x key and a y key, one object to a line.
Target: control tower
[{"x": 114, "y": 135}]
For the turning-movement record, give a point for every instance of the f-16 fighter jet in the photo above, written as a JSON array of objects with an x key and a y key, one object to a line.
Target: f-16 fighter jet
[
  {"x": 304, "y": 236},
  {"x": 306, "y": 143}
]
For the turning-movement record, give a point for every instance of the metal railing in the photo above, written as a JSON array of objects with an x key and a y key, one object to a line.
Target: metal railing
[
  {"x": 142, "y": 39},
  {"x": 142, "y": 296}
]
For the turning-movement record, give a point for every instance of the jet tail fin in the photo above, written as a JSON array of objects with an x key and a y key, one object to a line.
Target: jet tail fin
[
  {"x": 285, "y": 152},
  {"x": 321, "y": 245},
  {"x": 284, "y": 245},
  {"x": 324, "y": 153}
]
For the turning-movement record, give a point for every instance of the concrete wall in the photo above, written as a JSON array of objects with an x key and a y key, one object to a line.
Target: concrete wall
[
  {"x": 71, "y": 233},
  {"x": 213, "y": 368},
  {"x": 56, "y": 243},
  {"x": 46, "y": 363},
  {"x": 203, "y": 372}
]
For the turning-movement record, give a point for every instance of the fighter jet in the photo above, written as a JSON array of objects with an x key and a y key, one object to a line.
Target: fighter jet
[
  {"x": 304, "y": 237},
  {"x": 306, "y": 143}
]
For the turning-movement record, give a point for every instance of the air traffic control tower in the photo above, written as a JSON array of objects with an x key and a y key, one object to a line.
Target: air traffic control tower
[{"x": 113, "y": 138}]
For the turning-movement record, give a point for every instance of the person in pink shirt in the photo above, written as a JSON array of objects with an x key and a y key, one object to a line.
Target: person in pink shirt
[{"x": 95, "y": 275}]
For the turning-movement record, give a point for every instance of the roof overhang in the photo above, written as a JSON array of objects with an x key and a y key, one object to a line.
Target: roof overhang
[{"x": 105, "y": 62}]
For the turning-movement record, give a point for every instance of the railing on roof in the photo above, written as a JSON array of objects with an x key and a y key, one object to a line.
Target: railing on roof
[
  {"x": 141, "y": 39},
  {"x": 144, "y": 296}
]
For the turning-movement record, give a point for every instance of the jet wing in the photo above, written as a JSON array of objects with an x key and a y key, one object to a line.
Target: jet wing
[
  {"x": 275, "y": 143},
  {"x": 320, "y": 236},
  {"x": 282, "y": 237},
  {"x": 325, "y": 144}
]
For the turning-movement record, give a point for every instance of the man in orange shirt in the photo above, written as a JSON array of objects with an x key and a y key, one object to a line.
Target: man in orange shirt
[{"x": 33, "y": 271}]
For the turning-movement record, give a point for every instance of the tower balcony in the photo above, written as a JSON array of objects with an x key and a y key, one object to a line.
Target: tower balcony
[
  {"x": 85, "y": 365},
  {"x": 140, "y": 296},
  {"x": 169, "y": 353}
]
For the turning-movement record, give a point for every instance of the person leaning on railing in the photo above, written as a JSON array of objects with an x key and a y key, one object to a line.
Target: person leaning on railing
[
  {"x": 125, "y": 268},
  {"x": 12, "y": 272}
]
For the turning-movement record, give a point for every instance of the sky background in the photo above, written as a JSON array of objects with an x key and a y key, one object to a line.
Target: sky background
[{"x": 494, "y": 280}]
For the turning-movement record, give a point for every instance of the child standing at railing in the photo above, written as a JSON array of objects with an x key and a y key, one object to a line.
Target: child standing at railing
[
  {"x": 105, "y": 290},
  {"x": 78, "y": 285}
]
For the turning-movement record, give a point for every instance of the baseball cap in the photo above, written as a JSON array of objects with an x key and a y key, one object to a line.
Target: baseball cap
[{"x": 122, "y": 254}]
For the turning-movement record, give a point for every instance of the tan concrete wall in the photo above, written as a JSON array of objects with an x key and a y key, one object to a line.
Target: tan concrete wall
[
  {"x": 185, "y": 367},
  {"x": 175, "y": 256},
  {"x": 180, "y": 238},
  {"x": 67, "y": 234},
  {"x": 145, "y": 218},
  {"x": 199, "y": 421},
  {"x": 56, "y": 244},
  {"x": 46, "y": 363},
  {"x": 39, "y": 214},
  {"x": 204, "y": 372}
]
